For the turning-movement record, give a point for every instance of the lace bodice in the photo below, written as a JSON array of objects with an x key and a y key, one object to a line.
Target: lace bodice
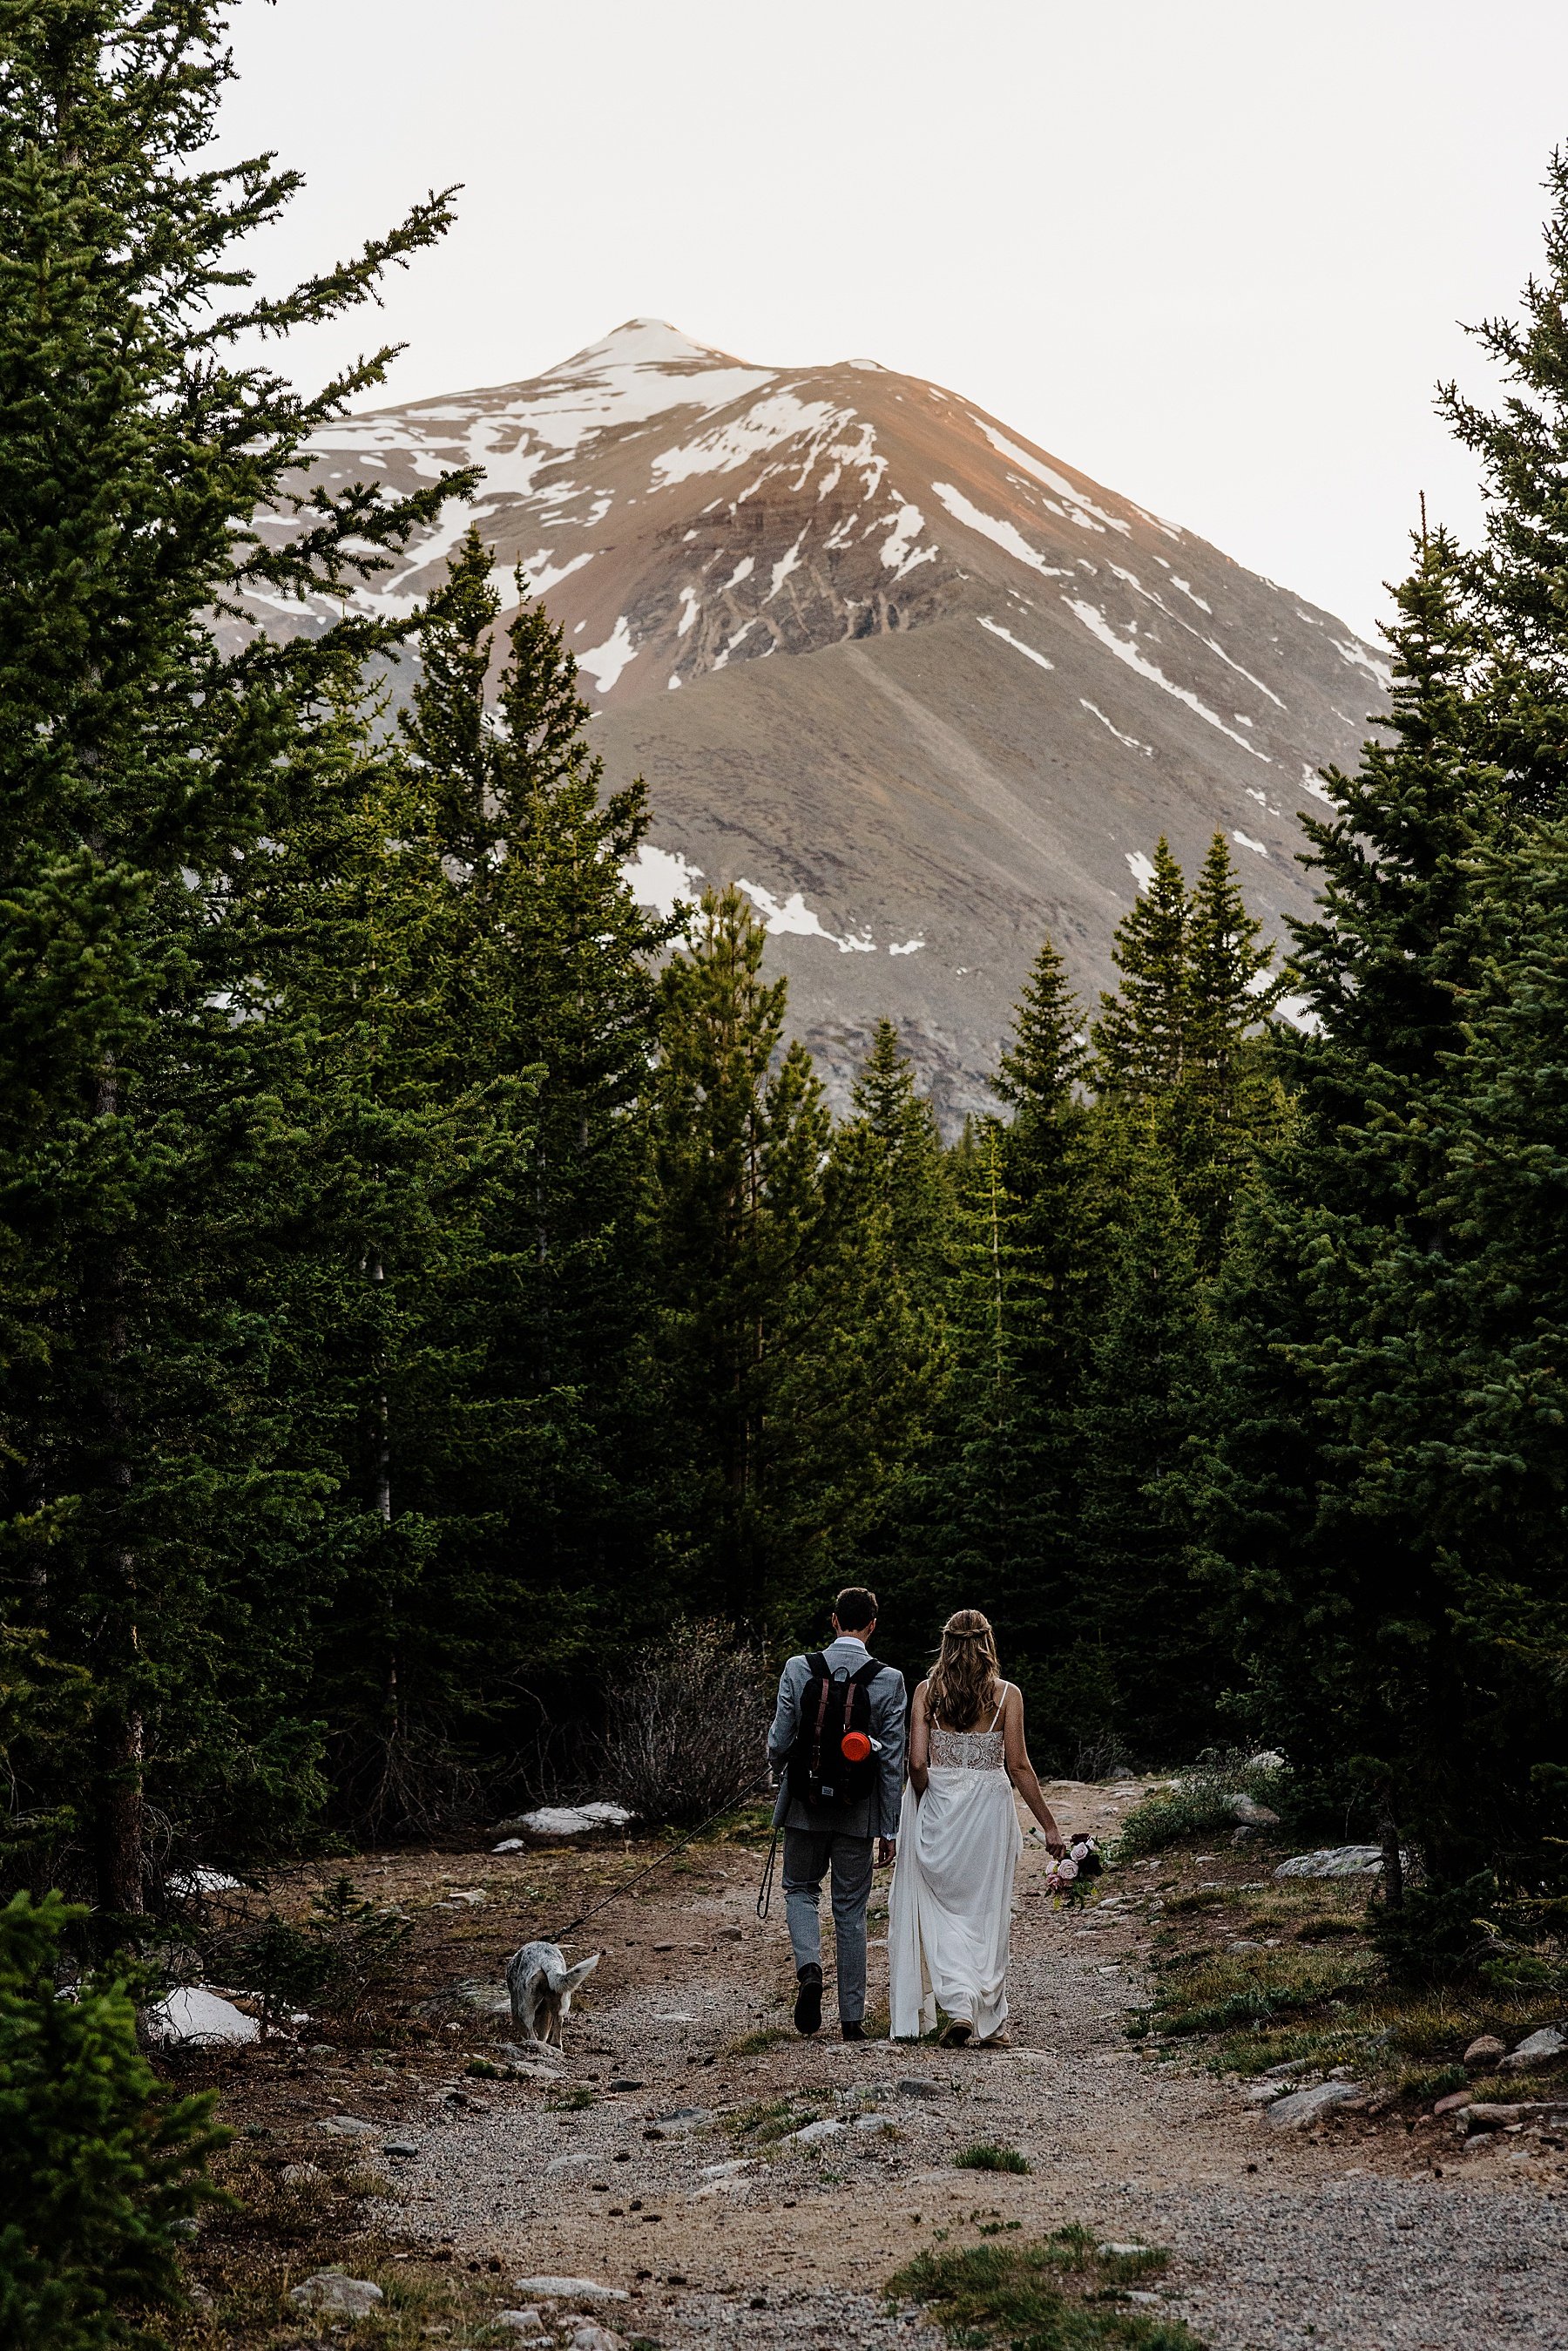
[
  {"x": 969, "y": 1751},
  {"x": 966, "y": 1751}
]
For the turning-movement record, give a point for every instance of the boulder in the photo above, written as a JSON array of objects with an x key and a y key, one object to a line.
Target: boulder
[
  {"x": 597, "y": 2338},
  {"x": 1486, "y": 2050},
  {"x": 301, "y": 2175},
  {"x": 526, "y": 2322},
  {"x": 1252, "y": 1814},
  {"x": 1454, "y": 2101},
  {"x": 812, "y": 2134},
  {"x": 1300, "y": 2107},
  {"x": 569, "y": 2289},
  {"x": 920, "y": 2085},
  {"x": 400, "y": 2147},
  {"x": 331, "y": 2290},
  {"x": 349, "y": 2127},
  {"x": 1547, "y": 2043},
  {"x": 1335, "y": 1861},
  {"x": 561, "y": 1820}
]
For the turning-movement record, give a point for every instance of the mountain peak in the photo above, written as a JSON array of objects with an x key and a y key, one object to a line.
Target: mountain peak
[{"x": 643, "y": 342}]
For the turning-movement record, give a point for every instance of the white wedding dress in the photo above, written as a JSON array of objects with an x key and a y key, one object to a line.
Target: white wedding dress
[{"x": 950, "y": 1913}]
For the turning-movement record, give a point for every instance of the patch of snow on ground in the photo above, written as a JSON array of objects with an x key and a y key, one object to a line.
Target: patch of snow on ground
[
  {"x": 794, "y": 917},
  {"x": 202, "y": 1881},
  {"x": 674, "y": 683},
  {"x": 789, "y": 561},
  {"x": 1313, "y": 783},
  {"x": 742, "y": 570},
  {"x": 899, "y": 553},
  {"x": 539, "y": 574},
  {"x": 1142, "y": 867},
  {"x": 1002, "y": 534},
  {"x": 605, "y": 662},
  {"x": 1130, "y": 740},
  {"x": 1191, "y": 593},
  {"x": 1362, "y": 657},
  {"x": 661, "y": 878},
  {"x": 1016, "y": 642},
  {"x": 905, "y": 947},
  {"x": 1054, "y": 481},
  {"x": 1216, "y": 648},
  {"x": 690, "y": 607},
  {"x": 1095, "y": 621},
  {"x": 764, "y": 425},
  {"x": 192, "y": 2013},
  {"x": 1245, "y": 840}
]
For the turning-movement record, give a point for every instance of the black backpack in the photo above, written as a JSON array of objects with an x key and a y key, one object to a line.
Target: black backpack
[{"x": 834, "y": 1758}]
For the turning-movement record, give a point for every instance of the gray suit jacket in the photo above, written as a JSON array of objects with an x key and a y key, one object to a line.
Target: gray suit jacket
[{"x": 868, "y": 1816}]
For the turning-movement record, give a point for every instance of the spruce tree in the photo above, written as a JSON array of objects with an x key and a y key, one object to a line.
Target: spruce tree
[
  {"x": 142, "y": 751},
  {"x": 1140, "y": 1038},
  {"x": 1333, "y": 1588},
  {"x": 556, "y": 979}
]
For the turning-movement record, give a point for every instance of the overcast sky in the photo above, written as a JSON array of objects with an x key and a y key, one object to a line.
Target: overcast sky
[{"x": 1213, "y": 252}]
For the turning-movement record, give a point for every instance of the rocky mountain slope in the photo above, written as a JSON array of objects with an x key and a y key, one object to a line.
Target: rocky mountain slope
[{"x": 923, "y": 690}]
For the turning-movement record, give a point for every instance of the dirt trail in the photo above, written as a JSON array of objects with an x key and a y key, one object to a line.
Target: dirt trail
[{"x": 1352, "y": 2239}]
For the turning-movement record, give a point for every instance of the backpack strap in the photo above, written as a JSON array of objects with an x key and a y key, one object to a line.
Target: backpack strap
[
  {"x": 819, "y": 1673},
  {"x": 867, "y": 1673}
]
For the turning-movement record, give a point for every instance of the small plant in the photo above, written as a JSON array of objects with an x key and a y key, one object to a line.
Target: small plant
[
  {"x": 342, "y": 1950},
  {"x": 988, "y": 2157},
  {"x": 570, "y": 2102},
  {"x": 1065, "y": 2292},
  {"x": 753, "y": 2045},
  {"x": 1202, "y": 1803}
]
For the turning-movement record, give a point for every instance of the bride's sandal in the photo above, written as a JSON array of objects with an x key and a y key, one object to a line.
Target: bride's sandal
[
  {"x": 999, "y": 2039},
  {"x": 958, "y": 2035}
]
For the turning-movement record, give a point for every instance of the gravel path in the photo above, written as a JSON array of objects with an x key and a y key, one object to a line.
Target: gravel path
[{"x": 1350, "y": 2239}]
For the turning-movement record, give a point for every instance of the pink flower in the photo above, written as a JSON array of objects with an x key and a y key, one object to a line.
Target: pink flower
[{"x": 1067, "y": 1870}]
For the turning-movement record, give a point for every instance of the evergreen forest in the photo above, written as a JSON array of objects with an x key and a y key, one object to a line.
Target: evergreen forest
[{"x": 428, "y": 1279}]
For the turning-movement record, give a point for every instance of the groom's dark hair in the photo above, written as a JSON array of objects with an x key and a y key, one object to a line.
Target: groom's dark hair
[{"x": 854, "y": 1606}]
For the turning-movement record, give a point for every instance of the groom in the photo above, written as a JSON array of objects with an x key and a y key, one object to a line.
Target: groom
[{"x": 821, "y": 1837}]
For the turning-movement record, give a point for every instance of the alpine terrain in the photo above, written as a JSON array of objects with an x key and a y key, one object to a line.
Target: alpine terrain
[{"x": 922, "y": 690}]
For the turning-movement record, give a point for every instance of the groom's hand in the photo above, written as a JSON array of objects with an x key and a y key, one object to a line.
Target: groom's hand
[{"x": 886, "y": 1851}]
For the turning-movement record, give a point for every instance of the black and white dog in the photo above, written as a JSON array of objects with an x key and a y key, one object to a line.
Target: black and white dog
[{"x": 541, "y": 1985}]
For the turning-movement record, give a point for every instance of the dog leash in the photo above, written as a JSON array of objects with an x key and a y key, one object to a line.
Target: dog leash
[{"x": 669, "y": 1854}]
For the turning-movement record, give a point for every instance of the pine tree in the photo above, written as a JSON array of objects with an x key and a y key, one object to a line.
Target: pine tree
[
  {"x": 1140, "y": 1038},
  {"x": 887, "y": 1156},
  {"x": 1335, "y": 1592},
  {"x": 141, "y": 756},
  {"x": 1135, "y": 1615},
  {"x": 556, "y": 980}
]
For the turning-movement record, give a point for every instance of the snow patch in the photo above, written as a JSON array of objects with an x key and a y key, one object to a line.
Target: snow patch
[
  {"x": 764, "y": 425},
  {"x": 1245, "y": 840},
  {"x": 793, "y": 917},
  {"x": 195, "y": 2014},
  {"x": 661, "y": 879},
  {"x": 1095, "y": 621},
  {"x": 1190, "y": 592},
  {"x": 1142, "y": 867},
  {"x": 789, "y": 561},
  {"x": 690, "y": 607},
  {"x": 742, "y": 570},
  {"x": 1313, "y": 783},
  {"x": 1130, "y": 740},
  {"x": 1362, "y": 657},
  {"x": 1097, "y": 517},
  {"x": 605, "y": 662},
  {"x": 1016, "y": 642},
  {"x": 905, "y": 947},
  {"x": 899, "y": 553},
  {"x": 1002, "y": 534}
]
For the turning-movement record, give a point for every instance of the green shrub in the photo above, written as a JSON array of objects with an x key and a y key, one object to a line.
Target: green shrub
[
  {"x": 1438, "y": 1933},
  {"x": 341, "y": 1952},
  {"x": 991, "y": 2158},
  {"x": 1065, "y": 2292},
  {"x": 101, "y": 2167},
  {"x": 1198, "y": 1803}
]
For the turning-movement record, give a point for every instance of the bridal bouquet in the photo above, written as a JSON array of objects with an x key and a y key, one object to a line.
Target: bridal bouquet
[{"x": 1070, "y": 1877}]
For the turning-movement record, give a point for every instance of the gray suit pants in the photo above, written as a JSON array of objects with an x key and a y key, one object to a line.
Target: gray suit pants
[{"x": 808, "y": 1855}]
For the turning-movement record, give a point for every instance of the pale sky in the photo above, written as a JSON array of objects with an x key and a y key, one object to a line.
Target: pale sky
[{"x": 1213, "y": 252}]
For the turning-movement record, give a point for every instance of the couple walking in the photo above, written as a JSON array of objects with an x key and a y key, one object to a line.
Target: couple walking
[{"x": 837, "y": 1747}]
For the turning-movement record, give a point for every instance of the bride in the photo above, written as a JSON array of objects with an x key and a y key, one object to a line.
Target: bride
[{"x": 959, "y": 1842}]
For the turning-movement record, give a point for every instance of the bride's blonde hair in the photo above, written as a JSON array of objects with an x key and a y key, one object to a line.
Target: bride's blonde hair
[{"x": 964, "y": 1683}]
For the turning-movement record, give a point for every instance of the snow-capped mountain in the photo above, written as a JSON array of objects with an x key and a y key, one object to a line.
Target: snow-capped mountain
[{"x": 924, "y": 691}]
